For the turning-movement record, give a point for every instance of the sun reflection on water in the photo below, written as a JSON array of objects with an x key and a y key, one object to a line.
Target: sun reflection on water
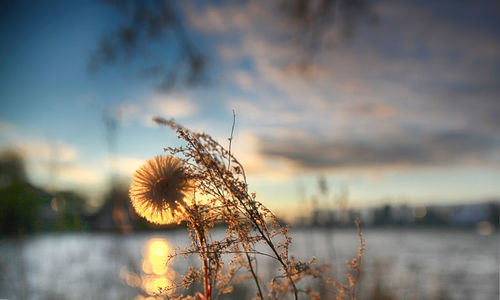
[{"x": 155, "y": 277}]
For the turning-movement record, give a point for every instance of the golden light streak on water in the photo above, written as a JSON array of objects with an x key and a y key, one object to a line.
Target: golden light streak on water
[
  {"x": 153, "y": 284},
  {"x": 156, "y": 256},
  {"x": 158, "y": 247},
  {"x": 140, "y": 297},
  {"x": 156, "y": 275}
]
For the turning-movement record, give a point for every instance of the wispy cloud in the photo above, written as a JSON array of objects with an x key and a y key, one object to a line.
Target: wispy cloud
[
  {"x": 420, "y": 88},
  {"x": 46, "y": 151},
  {"x": 175, "y": 106},
  {"x": 257, "y": 165},
  {"x": 35, "y": 149},
  {"x": 78, "y": 175},
  {"x": 449, "y": 148},
  {"x": 56, "y": 164},
  {"x": 126, "y": 165},
  {"x": 50, "y": 162},
  {"x": 127, "y": 111}
]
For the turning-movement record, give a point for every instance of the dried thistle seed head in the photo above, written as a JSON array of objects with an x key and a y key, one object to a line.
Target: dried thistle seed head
[{"x": 159, "y": 190}]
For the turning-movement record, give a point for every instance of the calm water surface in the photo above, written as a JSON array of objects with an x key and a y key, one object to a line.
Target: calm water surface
[{"x": 407, "y": 264}]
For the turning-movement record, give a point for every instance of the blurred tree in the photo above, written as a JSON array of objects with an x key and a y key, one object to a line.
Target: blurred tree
[
  {"x": 383, "y": 215},
  {"x": 494, "y": 214},
  {"x": 114, "y": 213},
  {"x": 20, "y": 202},
  {"x": 117, "y": 213},
  {"x": 148, "y": 23},
  {"x": 11, "y": 168},
  {"x": 69, "y": 206}
]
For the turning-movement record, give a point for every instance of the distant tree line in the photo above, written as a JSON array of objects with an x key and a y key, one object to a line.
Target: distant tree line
[{"x": 26, "y": 208}]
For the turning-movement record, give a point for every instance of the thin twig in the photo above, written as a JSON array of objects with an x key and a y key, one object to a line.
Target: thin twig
[
  {"x": 231, "y": 142},
  {"x": 254, "y": 274}
]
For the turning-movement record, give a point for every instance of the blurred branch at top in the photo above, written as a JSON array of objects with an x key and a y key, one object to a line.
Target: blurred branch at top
[
  {"x": 312, "y": 24},
  {"x": 146, "y": 24},
  {"x": 156, "y": 37}
]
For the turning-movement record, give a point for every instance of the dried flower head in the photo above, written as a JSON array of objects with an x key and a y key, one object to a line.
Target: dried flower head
[{"x": 159, "y": 189}]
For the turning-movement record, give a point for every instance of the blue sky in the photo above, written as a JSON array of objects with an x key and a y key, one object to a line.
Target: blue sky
[{"x": 405, "y": 111}]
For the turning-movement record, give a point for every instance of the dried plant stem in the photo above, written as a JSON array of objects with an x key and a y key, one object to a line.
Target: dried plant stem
[
  {"x": 266, "y": 239},
  {"x": 261, "y": 232},
  {"x": 283, "y": 265},
  {"x": 254, "y": 222},
  {"x": 357, "y": 267},
  {"x": 203, "y": 245},
  {"x": 254, "y": 275}
]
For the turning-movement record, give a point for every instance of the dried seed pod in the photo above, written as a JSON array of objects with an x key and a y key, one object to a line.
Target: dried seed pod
[{"x": 159, "y": 190}]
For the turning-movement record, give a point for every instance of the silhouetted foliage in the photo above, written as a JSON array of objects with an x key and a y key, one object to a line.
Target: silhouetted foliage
[
  {"x": 146, "y": 23},
  {"x": 19, "y": 201},
  {"x": 70, "y": 207},
  {"x": 312, "y": 21},
  {"x": 25, "y": 208},
  {"x": 156, "y": 23},
  {"x": 11, "y": 168}
]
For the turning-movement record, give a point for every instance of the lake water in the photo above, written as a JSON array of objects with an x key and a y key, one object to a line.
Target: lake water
[{"x": 407, "y": 264}]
